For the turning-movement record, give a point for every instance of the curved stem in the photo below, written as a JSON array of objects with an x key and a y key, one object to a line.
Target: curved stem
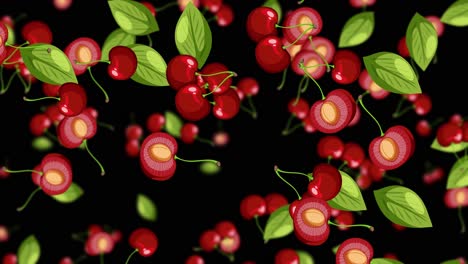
[
  {"x": 220, "y": 84},
  {"x": 402, "y": 112},
  {"x": 80, "y": 258},
  {"x": 247, "y": 110},
  {"x": 258, "y": 225},
  {"x": 52, "y": 136},
  {"x": 90, "y": 62},
  {"x": 4, "y": 89},
  {"x": 305, "y": 85},
  {"x": 399, "y": 105},
  {"x": 204, "y": 140},
  {"x": 365, "y": 109},
  {"x": 295, "y": 26},
  {"x": 100, "y": 87},
  {"x": 229, "y": 256},
  {"x": 106, "y": 125},
  {"x": 299, "y": 37},
  {"x": 150, "y": 41},
  {"x": 213, "y": 18},
  {"x": 161, "y": 8},
  {"x": 394, "y": 179},
  {"x": 301, "y": 65},
  {"x": 462, "y": 222},
  {"x": 21, "y": 208},
  {"x": 277, "y": 173},
  {"x": 39, "y": 99},
  {"x": 294, "y": 128},
  {"x": 283, "y": 79},
  {"x": 342, "y": 165},
  {"x": 252, "y": 107},
  {"x": 308, "y": 175},
  {"x": 371, "y": 228},
  {"x": 300, "y": 2},
  {"x": 320, "y": 55},
  {"x": 200, "y": 160},
  {"x": 130, "y": 256},
  {"x": 21, "y": 171},
  {"x": 103, "y": 172},
  {"x": 288, "y": 124}
]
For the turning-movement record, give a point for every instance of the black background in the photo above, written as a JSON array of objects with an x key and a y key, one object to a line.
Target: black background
[{"x": 191, "y": 202}]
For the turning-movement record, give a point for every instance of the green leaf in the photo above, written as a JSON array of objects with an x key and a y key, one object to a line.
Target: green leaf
[
  {"x": 29, "y": 251},
  {"x": 146, "y": 208},
  {"x": 452, "y": 148},
  {"x": 304, "y": 257},
  {"x": 422, "y": 40},
  {"x": 151, "y": 67},
  {"x": 133, "y": 17},
  {"x": 335, "y": 249},
  {"x": 350, "y": 197},
  {"x": 11, "y": 35},
  {"x": 385, "y": 261},
  {"x": 357, "y": 29},
  {"x": 42, "y": 143},
  {"x": 209, "y": 168},
  {"x": 173, "y": 123},
  {"x": 276, "y": 5},
  {"x": 458, "y": 174},
  {"x": 452, "y": 261},
  {"x": 118, "y": 37},
  {"x": 392, "y": 72},
  {"x": 193, "y": 34},
  {"x": 402, "y": 206},
  {"x": 48, "y": 64},
  {"x": 456, "y": 14},
  {"x": 279, "y": 224},
  {"x": 72, "y": 194}
]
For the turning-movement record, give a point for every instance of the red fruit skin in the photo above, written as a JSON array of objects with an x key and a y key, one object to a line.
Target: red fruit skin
[
  {"x": 54, "y": 114},
  {"x": 300, "y": 110},
  {"x": 353, "y": 155},
  {"x": 227, "y": 105},
  {"x": 313, "y": 64},
  {"x": 464, "y": 128},
  {"x": 133, "y": 131},
  {"x": 36, "y": 176},
  {"x": 225, "y": 15},
  {"x": 181, "y": 71},
  {"x": 66, "y": 134},
  {"x": 423, "y": 104},
  {"x": 39, "y": 123},
  {"x": 449, "y": 133},
  {"x": 93, "y": 243},
  {"x": 209, "y": 240},
  {"x": 226, "y": 228},
  {"x": 36, "y": 31},
  {"x": 357, "y": 244},
  {"x": 211, "y": 5},
  {"x": 155, "y": 122},
  {"x": 189, "y": 133},
  {"x": 195, "y": 259},
  {"x": 57, "y": 162},
  {"x": 364, "y": 181},
  {"x": 326, "y": 183},
  {"x": 230, "y": 244},
  {"x": 261, "y": 22},
  {"x": 270, "y": 55},
  {"x": 150, "y": 7},
  {"x": 456, "y": 197},
  {"x": 311, "y": 235},
  {"x": 423, "y": 128},
  {"x": 344, "y": 219},
  {"x": 145, "y": 240},
  {"x": 248, "y": 85},
  {"x": 321, "y": 45},
  {"x": 347, "y": 67},
  {"x": 66, "y": 260},
  {"x": 123, "y": 63},
  {"x": 10, "y": 258},
  {"x": 73, "y": 99},
  {"x": 191, "y": 104},
  {"x": 286, "y": 256},
  {"x": 299, "y": 34},
  {"x": 330, "y": 146},
  {"x": 402, "y": 48},
  {"x": 274, "y": 201},
  {"x": 4, "y": 234},
  {"x": 158, "y": 170},
  {"x": 132, "y": 148},
  {"x": 251, "y": 206},
  {"x": 215, "y": 80}
]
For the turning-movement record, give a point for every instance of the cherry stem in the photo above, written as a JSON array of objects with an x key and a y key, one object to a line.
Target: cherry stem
[
  {"x": 161, "y": 8},
  {"x": 41, "y": 98},
  {"x": 294, "y": 128},
  {"x": 462, "y": 222},
  {"x": 414, "y": 68},
  {"x": 229, "y": 256},
  {"x": 299, "y": 37},
  {"x": 278, "y": 174},
  {"x": 300, "y": 2},
  {"x": 200, "y": 160},
  {"x": 80, "y": 258},
  {"x": 283, "y": 79},
  {"x": 103, "y": 172},
  {"x": 131, "y": 255},
  {"x": 402, "y": 112},
  {"x": 438, "y": 121},
  {"x": 371, "y": 228},
  {"x": 106, "y": 125},
  {"x": 221, "y": 83},
  {"x": 150, "y": 41},
  {"x": 320, "y": 55},
  {"x": 300, "y": 88},
  {"x": 342, "y": 165},
  {"x": 101, "y": 258},
  {"x": 21, "y": 171},
  {"x": 394, "y": 179},
  {"x": 399, "y": 105},
  {"x": 213, "y": 18},
  {"x": 367, "y": 111},
  {"x": 308, "y": 175},
  {"x": 21, "y": 208},
  {"x": 97, "y": 83},
  {"x": 27, "y": 86},
  {"x": 205, "y": 140},
  {"x": 93, "y": 61},
  {"x": 13, "y": 53},
  {"x": 257, "y": 223},
  {"x": 301, "y": 65},
  {"x": 288, "y": 124},
  {"x": 249, "y": 111},
  {"x": 52, "y": 136},
  {"x": 5, "y": 88},
  {"x": 197, "y": 249}
]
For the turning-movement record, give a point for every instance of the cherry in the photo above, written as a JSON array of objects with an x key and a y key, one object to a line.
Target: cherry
[
  {"x": 356, "y": 117},
  {"x": 464, "y": 128},
  {"x": 353, "y": 155},
  {"x": 433, "y": 175},
  {"x": 62, "y": 5},
  {"x": 252, "y": 205},
  {"x": 123, "y": 63},
  {"x": 225, "y": 15},
  {"x": 271, "y": 56},
  {"x": 261, "y": 22},
  {"x": 4, "y": 234},
  {"x": 402, "y": 48},
  {"x": 226, "y": 228},
  {"x": 286, "y": 256},
  {"x": 302, "y": 23},
  {"x": 308, "y": 125},
  {"x": 150, "y": 7},
  {"x": 220, "y": 138},
  {"x": 457, "y": 119},
  {"x": 99, "y": 243},
  {"x": 438, "y": 25},
  {"x": 423, "y": 128},
  {"x": 36, "y": 31},
  {"x": 209, "y": 240},
  {"x": 366, "y": 83},
  {"x": 39, "y": 123},
  {"x": 298, "y": 108},
  {"x": 66, "y": 260},
  {"x": 308, "y": 61},
  {"x": 423, "y": 104},
  {"x": 368, "y": 168},
  {"x": 50, "y": 89},
  {"x": 344, "y": 219},
  {"x": 211, "y": 5},
  {"x": 274, "y": 201},
  {"x": 248, "y": 85},
  {"x": 4, "y": 173},
  {"x": 83, "y": 52},
  {"x": 326, "y": 183},
  {"x": 229, "y": 245},
  {"x": 347, "y": 66},
  {"x": 189, "y": 133},
  {"x": 363, "y": 181},
  {"x": 448, "y": 133},
  {"x": 227, "y": 105},
  {"x": 310, "y": 220},
  {"x": 398, "y": 227},
  {"x": 354, "y": 250},
  {"x": 73, "y": 131},
  {"x": 10, "y": 258},
  {"x": 144, "y": 241},
  {"x": 322, "y": 46},
  {"x": 195, "y": 259},
  {"x": 132, "y": 148},
  {"x": 155, "y": 122},
  {"x": 330, "y": 147},
  {"x": 361, "y": 3},
  {"x": 217, "y": 76},
  {"x": 183, "y": 3},
  {"x": 191, "y": 104},
  {"x": 37, "y": 174},
  {"x": 3, "y": 35},
  {"x": 133, "y": 131},
  {"x": 181, "y": 70},
  {"x": 14, "y": 55}
]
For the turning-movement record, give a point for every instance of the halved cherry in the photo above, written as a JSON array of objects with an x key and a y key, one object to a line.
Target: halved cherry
[
  {"x": 274, "y": 201},
  {"x": 347, "y": 66},
  {"x": 353, "y": 155},
  {"x": 144, "y": 240},
  {"x": 334, "y": 112},
  {"x": 310, "y": 219},
  {"x": 326, "y": 183},
  {"x": 456, "y": 197},
  {"x": 62, "y": 5},
  {"x": 310, "y": 61},
  {"x": 323, "y": 46},
  {"x": 36, "y": 31},
  {"x": 57, "y": 174},
  {"x": 72, "y": 131},
  {"x": 252, "y": 205},
  {"x": 83, "y": 52},
  {"x": 191, "y": 104},
  {"x": 301, "y": 23},
  {"x": 227, "y": 105},
  {"x": 330, "y": 146},
  {"x": 291, "y": 48},
  {"x": 36, "y": 174},
  {"x": 366, "y": 83},
  {"x": 157, "y": 156},
  {"x": 230, "y": 244},
  {"x": 393, "y": 149},
  {"x": 99, "y": 243},
  {"x": 354, "y": 251},
  {"x": 356, "y": 118},
  {"x": 261, "y": 22}
]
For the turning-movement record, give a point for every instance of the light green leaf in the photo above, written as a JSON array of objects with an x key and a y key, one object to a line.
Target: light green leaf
[
  {"x": 276, "y": 5},
  {"x": 456, "y": 14},
  {"x": 72, "y": 194},
  {"x": 133, "y": 17},
  {"x": 458, "y": 174},
  {"x": 335, "y": 248},
  {"x": 385, "y": 261},
  {"x": 173, "y": 123},
  {"x": 118, "y": 37},
  {"x": 151, "y": 67},
  {"x": 392, "y": 72},
  {"x": 42, "y": 143},
  {"x": 279, "y": 224},
  {"x": 209, "y": 168},
  {"x": 305, "y": 257},
  {"x": 357, "y": 29},
  {"x": 452, "y": 261},
  {"x": 146, "y": 208},
  {"x": 350, "y": 197},
  {"x": 29, "y": 251},
  {"x": 422, "y": 40},
  {"x": 452, "y": 148},
  {"x": 402, "y": 206},
  {"x": 11, "y": 36},
  {"x": 48, "y": 64},
  {"x": 193, "y": 34}
]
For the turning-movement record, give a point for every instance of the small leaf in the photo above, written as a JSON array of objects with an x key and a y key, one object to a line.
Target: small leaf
[
  {"x": 42, "y": 143},
  {"x": 422, "y": 40},
  {"x": 193, "y": 34},
  {"x": 118, "y": 37},
  {"x": 146, "y": 208},
  {"x": 452, "y": 261},
  {"x": 276, "y": 5},
  {"x": 458, "y": 174},
  {"x": 357, "y": 29},
  {"x": 385, "y": 261},
  {"x": 402, "y": 206},
  {"x": 72, "y": 194},
  {"x": 392, "y": 72},
  {"x": 350, "y": 197},
  {"x": 452, "y": 148},
  {"x": 279, "y": 224},
  {"x": 151, "y": 67},
  {"x": 11, "y": 35},
  {"x": 173, "y": 123},
  {"x": 456, "y": 14},
  {"x": 29, "y": 251},
  {"x": 48, "y": 64},
  {"x": 335, "y": 249},
  {"x": 304, "y": 257},
  {"x": 133, "y": 17},
  {"x": 209, "y": 168}
]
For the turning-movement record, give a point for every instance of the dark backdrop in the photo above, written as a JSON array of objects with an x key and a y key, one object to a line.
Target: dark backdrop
[{"x": 191, "y": 202}]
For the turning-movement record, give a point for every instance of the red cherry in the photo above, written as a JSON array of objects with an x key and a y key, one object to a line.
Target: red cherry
[
  {"x": 433, "y": 175},
  {"x": 437, "y": 23},
  {"x": 368, "y": 168},
  {"x": 133, "y": 131},
  {"x": 4, "y": 233},
  {"x": 226, "y": 228},
  {"x": 150, "y": 7},
  {"x": 356, "y": 118},
  {"x": 3, "y": 34},
  {"x": 252, "y": 205},
  {"x": 36, "y": 31},
  {"x": 456, "y": 197},
  {"x": 225, "y": 15},
  {"x": 195, "y": 259},
  {"x": 274, "y": 201},
  {"x": 299, "y": 109},
  {"x": 57, "y": 174},
  {"x": 3, "y": 173},
  {"x": 286, "y": 256},
  {"x": 66, "y": 260},
  {"x": 116, "y": 235},
  {"x": 220, "y": 138},
  {"x": 211, "y": 5},
  {"x": 83, "y": 52},
  {"x": 321, "y": 45},
  {"x": 353, "y": 155},
  {"x": 183, "y": 3},
  {"x": 310, "y": 220},
  {"x": 10, "y": 258},
  {"x": 308, "y": 61},
  {"x": 457, "y": 119},
  {"x": 423, "y": 104},
  {"x": 123, "y": 63},
  {"x": 361, "y": 3},
  {"x": 363, "y": 181},
  {"x": 310, "y": 22},
  {"x": 330, "y": 146},
  {"x": 188, "y": 133},
  {"x": 191, "y": 104},
  {"x": 271, "y": 56},
  {"x": 464, "y": 128},
  {"x": 352, "y": 247},
  {"x": 50, "y": 89},
  {"x": 449, "y": 133},
  {"x": 308, "y": 125},
  {"x": 157, "y": 156},
  {"x": 144, "y": 240},
  {"x": 209, "y": 240},
  {"x": 423, "y": 128},
  {"x": 229, "y": 244},
  {"x": 39, "y": 123},
  {"x": 132, "y": 148},
  {"x": 411, "y": 97},
  {"x": 26, "y": 74},
  {"x": 217, "y": 76},
  {"x": 62, "y": 5},
  {"x": 99, "y": 243},
  {"x": 94, "y": 229},
  {"x": 344, "y": 219},
  {"x": 248, "y": 85},
  {"x": 261, "y": 22},
  {"x": 37, "y": 174},
  {"x": 326, "y": 182},
  {"x": 73, "y": 99},
  {"x": 181, "y": 71},
  {"x": 347, "y": 67},
  {"x": 402, "y": 48},
  {"x": 227, "y": 105},
  {"x": 155, "y": 122},
  {"x": 72, "y": 131},
  {"x": 14, "y": 55}
]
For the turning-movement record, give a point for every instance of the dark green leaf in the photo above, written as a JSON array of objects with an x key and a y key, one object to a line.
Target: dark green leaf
[
  {"x": 151, "y": 68},
  {"x": 279, "y": 224},
  {"x": 458, "y": 174},
  {"x": 72, "y": 194},
  {"x": 173, "y": 123},
  {"x": 350, "y": 197},
  {"x": 133, "y": 17},
  {"x": 357, "y": 29},
  {"x": 422, "y": 40},
  {"x": 146, "y": 208},
  {"x": 118, "y": 37},
  {"x": 29, "y": 251},
  {"x": 456, "y": 14}
]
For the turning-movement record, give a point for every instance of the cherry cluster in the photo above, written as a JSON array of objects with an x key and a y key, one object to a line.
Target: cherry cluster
[{"x": 454, "y": 130}]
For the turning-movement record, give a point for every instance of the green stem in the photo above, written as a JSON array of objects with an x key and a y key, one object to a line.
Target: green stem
[
  {"x": 213, "y": 18},
  {"x": 258, "y": 225},
  {"x": 404, "y": 111},
  {"x": 106, "y": 125},
  {"x": 320, "y": 55},
  {"x": 308, "y": 175},
  {"x": 150, "y": 41},
  {"x": 288, "y": 124},
  {"x": 22, "y": 171},
  {"x": 367, "y": 111},
  {"x": 21, "y": 208},
  {"x": 371, "y": 228},
  {"x": 300, "y": 2},
  {"x": 170, "y": 4},
  {"x": 283, "y": 79},
  {"x": 394, "y": 179},
  {"x": 299, "y": 37},
  {"x": 220, "y": 84},
  {"x": 204, "y": 140},
  {"x": 301, "y": 65},
  {"x": 462, "y": 222},
  {"x": 305, "y": 86},
  {"x": 39, "y": 99},
  {"x": 247, "y": 110},
  {"x": 80, "y": 258},
  {"x": 342, "y": 165},
  {"x": 52, "y": 136},
  {"x": 277, "y": 173},
  {"x": 294, "y": 128},
  {"x": 26, "y": 86},
  {"x": 103, "y": 172},
  {"x": 130, "y": 256},
  {"x": 101, "y": 258},
  {"x": 100, "y": 87},
  {"x": 229, "y": 256},
  {"x": 252, "y": 107},
  {"x": 200, "y": 160},
  {"x": 5, "y": 88}
]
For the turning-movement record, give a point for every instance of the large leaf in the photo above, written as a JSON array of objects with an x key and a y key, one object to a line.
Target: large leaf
[
  {"x": 146, "y": 208},
  {"x": 422, "y": 41},
  {"x": 350, "y": 197},
  {"x": 72, "y": 194},
  {"x": 304, "y": 257},
  {"x": 118, "y": 37},
  {"x": 458, "y": 174},
  {"x": 29, "y": 251},
  {"x": 173, "y": 123},
  {"x": 392, "y": 72},
  {"x": 133, "y": 17},
  {"x": 151, "y": 67},
  {"x": 402, "y": 206},
  {"x": 385, "y": 261},
  {"x": 193, "y": 34},
  {"x": 279, "y": 224},
  {"x": 48, "y": 64},
  {"x": 276, "y": 5},
  {"x": 452, "y": 148},
  {"x": 357, "y": 29},
  {"x": 456, "y": 14}
]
